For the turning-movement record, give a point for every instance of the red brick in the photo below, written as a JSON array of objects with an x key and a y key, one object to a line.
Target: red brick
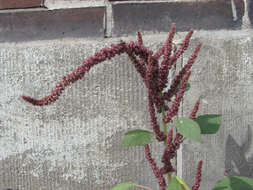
[
  {"x": 41, "y": 24},
  {"x": 15, "y": 4}
]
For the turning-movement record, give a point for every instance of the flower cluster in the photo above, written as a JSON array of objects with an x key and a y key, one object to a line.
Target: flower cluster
[{"x": 154, "y": 74}]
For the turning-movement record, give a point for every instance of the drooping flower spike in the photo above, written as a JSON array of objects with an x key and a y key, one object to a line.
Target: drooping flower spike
[{"x": 102, "y": 55}]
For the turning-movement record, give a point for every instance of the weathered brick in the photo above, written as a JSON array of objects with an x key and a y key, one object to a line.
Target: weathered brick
[
  {"x": 44, "y": 24},
  {"x": 11, "y": 4},
  {"x": 157, "y": 17}
]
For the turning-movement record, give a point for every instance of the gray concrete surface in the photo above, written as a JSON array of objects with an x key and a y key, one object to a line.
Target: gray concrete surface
[
  {"x": 74, "y": 143},
  {"x": 250, "y": 4}
]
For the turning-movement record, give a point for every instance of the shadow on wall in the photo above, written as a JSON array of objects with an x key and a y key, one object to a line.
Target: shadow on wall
[
  {"x": 236, "y": 161},
  {"x": 250, "y": 8}
]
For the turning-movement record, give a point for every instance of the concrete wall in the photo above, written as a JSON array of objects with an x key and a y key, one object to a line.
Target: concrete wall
[{"x": 74, "y": 143}]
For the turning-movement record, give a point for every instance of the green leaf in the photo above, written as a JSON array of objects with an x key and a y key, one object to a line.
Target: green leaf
[
  {"x": 182, "y": 182},
  {"x": 174, "y": 185},
  {"x": 234, "y": 183},
  {"x": 136, "y": 137},
  {"x": 188, "y": 86},
  {"x": 188, "y": 128},
  {"x": 123, "y": 186},
  {"x": 209, "y": 124}
]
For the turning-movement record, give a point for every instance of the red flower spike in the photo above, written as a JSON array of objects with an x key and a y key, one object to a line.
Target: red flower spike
[
  {"x": 151, "y": 100},
  {"x": 166, "y": 63},
  {"x": 182, "y": 48},
  {"x": 98, "y": 57},
  {"x": 167, "y": 168},
  {"x": 176, "y": 55},
  {"x": 160, "y": 51},
  {"x": 178, "y": 140},
  {"x": 160, "y": 136},
  {"x": 168, "y": 155},
  {"x": 149, "y": 71},
  {"x": 139, "y": 67},
  {"x": 139, "y": 36},
  {"x": 155, "y": 169},
  {"x": 29, "y": 99},
  {"x": 169, "y": 137},
  {"x": 176, "y": 103},
  {"x": 198, "y": 176},
  {"x": 152, "y": 76},
  {"x": 178, "y": 78},
  {"x": 195, "y": 110}
]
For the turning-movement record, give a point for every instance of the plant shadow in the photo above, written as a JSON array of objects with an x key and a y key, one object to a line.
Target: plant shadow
[{"x": 237, "y": 163}]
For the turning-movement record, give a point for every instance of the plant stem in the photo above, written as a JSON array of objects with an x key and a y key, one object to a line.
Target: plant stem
[{"x": 144, "y": 187}]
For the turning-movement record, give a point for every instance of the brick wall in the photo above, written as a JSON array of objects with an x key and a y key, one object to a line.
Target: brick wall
[
  {"x": 18, "y": 4},
  {"x": 117, "y": 18}
]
